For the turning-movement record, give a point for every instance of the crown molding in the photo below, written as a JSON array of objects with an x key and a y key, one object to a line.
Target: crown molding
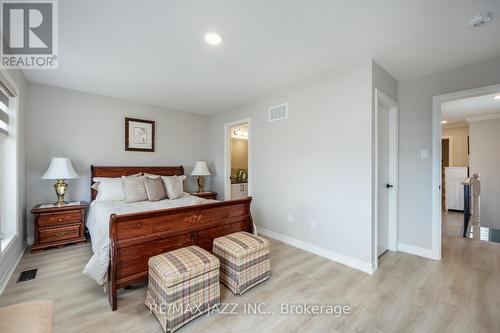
[{"x": 483, "y": 117}]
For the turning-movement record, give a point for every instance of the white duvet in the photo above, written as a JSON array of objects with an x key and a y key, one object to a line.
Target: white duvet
[{"x": 98, "y": 225}]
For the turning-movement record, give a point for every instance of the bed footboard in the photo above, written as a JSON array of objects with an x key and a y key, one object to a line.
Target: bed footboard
[{"x": 134, "y": 238}]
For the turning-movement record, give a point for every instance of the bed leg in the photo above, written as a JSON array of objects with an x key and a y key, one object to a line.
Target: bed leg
[{"x": 112, "y": 297}]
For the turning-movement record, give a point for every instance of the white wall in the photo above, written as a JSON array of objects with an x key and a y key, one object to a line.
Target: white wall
[
  {"x": 485, "y": 160},
  {"x": 317, "y": 164},
  {"x": 415, "y": 132},
  {"x": 90, "y": 130},
  {"x": 9, "y": 257}
]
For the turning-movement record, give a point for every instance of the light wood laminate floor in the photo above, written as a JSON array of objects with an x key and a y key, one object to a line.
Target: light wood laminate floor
[{"x": 460, "y": 293}]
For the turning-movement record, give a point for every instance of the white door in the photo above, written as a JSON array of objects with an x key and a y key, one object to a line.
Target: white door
[{"x": 384, "y": 185}]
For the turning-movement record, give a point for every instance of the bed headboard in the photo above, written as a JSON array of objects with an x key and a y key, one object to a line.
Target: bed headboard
[{"x": 118, "y": 171}]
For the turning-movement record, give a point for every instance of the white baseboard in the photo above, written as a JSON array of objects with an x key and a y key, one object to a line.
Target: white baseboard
[
  {"x": 12, "y": 267},
  {"x": 418, "y": 251},
  {"x": 363, "y": 266}
]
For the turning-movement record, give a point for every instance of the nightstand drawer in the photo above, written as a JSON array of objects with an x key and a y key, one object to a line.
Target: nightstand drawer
[
  {"x": 59, "y": 234},
  {"x": 47, "y": 220}
]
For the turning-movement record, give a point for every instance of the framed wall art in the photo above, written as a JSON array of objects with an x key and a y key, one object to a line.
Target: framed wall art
[{"x": 139, "y": 135}]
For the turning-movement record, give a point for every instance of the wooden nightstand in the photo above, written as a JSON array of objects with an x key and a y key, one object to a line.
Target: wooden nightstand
[
  {"x": 206, "y": 195},
  {"x": 58, "y": 226}
]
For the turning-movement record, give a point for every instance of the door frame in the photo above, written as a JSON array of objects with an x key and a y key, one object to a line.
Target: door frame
[
  {"x": 227, "y": 156},
  {"x": 450, "y": 149},
  {"x": 437, "y": 101},
  {"x": 393, "y": 108}
]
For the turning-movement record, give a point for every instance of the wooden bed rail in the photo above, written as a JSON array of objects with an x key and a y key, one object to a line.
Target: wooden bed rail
[{"x": 134, "y": 238}]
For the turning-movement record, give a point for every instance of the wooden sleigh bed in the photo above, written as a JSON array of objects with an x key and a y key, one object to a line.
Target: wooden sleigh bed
[{"x": 134, "y": 238}]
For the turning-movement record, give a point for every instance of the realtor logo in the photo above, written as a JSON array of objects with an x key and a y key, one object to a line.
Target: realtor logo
[{"x": 29, "y": 34}]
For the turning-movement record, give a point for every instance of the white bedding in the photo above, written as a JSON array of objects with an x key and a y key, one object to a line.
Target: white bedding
[{"x": 98, "y": 225}]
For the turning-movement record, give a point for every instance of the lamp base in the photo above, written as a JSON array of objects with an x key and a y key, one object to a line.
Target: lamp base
[
  {"x": 201, "y": 184},
  {"x": 60, "y": 187}
]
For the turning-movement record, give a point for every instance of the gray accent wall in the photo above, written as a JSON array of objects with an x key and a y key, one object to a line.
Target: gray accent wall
[
  {"x": 415, "y": 132},
  {"x": 90, "y": 130}
]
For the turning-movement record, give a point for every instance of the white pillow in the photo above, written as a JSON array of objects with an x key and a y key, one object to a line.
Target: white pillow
[
  {"x": 174, "y": 186},
  {"x": 151, "y": 175},
  {"x": 109, "y": 189}
]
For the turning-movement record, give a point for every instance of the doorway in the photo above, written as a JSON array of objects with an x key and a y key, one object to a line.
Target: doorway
[
  {"x": 237, "y": 160},
  {"x": 386, "y": 175},
  {"x": 437, "y": 157}
]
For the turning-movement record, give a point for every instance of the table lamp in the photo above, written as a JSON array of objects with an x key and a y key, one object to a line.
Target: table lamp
[
  {"x": 60, "y": 169},
  {"x": 201, "y": 170}
]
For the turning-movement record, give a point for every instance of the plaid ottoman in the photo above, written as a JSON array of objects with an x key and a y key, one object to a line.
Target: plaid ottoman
[
  {"x": 244, "y": 260},
  {"x": 183, "y": 284}
]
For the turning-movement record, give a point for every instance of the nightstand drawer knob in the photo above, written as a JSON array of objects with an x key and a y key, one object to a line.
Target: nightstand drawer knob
[{"x": 60, "y": 220}]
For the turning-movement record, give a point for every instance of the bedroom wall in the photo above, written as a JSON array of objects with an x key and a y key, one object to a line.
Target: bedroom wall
[
  {"x": 90, "y": 130},
  {"x": 10, "y": 256},
  {"x": 459, "y": 150},
  {"x": 415, "y": 133},
  {"x": 485, "y": 160},
  {"x": 315, "y": 165}
]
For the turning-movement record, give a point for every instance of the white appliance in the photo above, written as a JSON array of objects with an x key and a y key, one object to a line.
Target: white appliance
[{"x": 454, "y": 190}]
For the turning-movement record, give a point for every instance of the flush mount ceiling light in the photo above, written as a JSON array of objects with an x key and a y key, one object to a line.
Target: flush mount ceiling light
[
  {"x": 213, "y": 38},
  {"x": 480, "y": 19},
  {"x": 444, "y": 121},
  {"x": 497, "y": 96},
  {"x": 239, "y": 133}
]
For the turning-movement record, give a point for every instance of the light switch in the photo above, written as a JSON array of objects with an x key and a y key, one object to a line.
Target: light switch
[
  {"x": 314, "y": 225},
  {"x": 424, "y": 154}
]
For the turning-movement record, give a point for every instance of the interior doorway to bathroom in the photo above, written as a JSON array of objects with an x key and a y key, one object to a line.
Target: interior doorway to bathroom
[{"x": 237, "y": 160}]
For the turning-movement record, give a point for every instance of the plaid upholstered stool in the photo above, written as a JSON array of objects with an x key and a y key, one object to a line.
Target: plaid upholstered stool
[
  {"x": 183, "y": 284},
  {"x": 244, "y": 260}
]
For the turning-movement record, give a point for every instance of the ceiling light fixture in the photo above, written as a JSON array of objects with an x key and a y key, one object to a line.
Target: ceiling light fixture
[
  {"x": 240, "y": 133},
  {"x": 480, "y": 19},
  {"x": 497, "y": 96},
  {"x": 444, "y": 121},
  {"x": 213, "y": 38}
]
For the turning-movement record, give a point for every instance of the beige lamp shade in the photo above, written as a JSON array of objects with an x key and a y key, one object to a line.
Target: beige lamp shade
[
  {"x": 60, "y": 168},
  {"x": 201, "y": 169}
]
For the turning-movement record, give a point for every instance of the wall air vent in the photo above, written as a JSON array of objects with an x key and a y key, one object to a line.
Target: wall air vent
[{"x": 278, "y": 112}]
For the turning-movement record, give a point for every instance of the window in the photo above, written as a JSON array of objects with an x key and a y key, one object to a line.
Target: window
[
  {"x": 4, "y": 115},
  {"x": 9, "y": 195},
  {"x": 4, "y": 133}
]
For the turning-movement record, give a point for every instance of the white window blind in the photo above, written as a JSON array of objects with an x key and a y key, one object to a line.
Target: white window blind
[
  {"x": 4, "y": 113},
  {"x": 8, "y": 163}
]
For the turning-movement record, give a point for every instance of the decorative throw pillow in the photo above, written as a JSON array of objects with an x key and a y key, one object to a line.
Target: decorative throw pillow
[
  {"x": 174, "y": 186},
  {"x": 134, "y": 188},
  {"x": 155, "y": 189}
]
